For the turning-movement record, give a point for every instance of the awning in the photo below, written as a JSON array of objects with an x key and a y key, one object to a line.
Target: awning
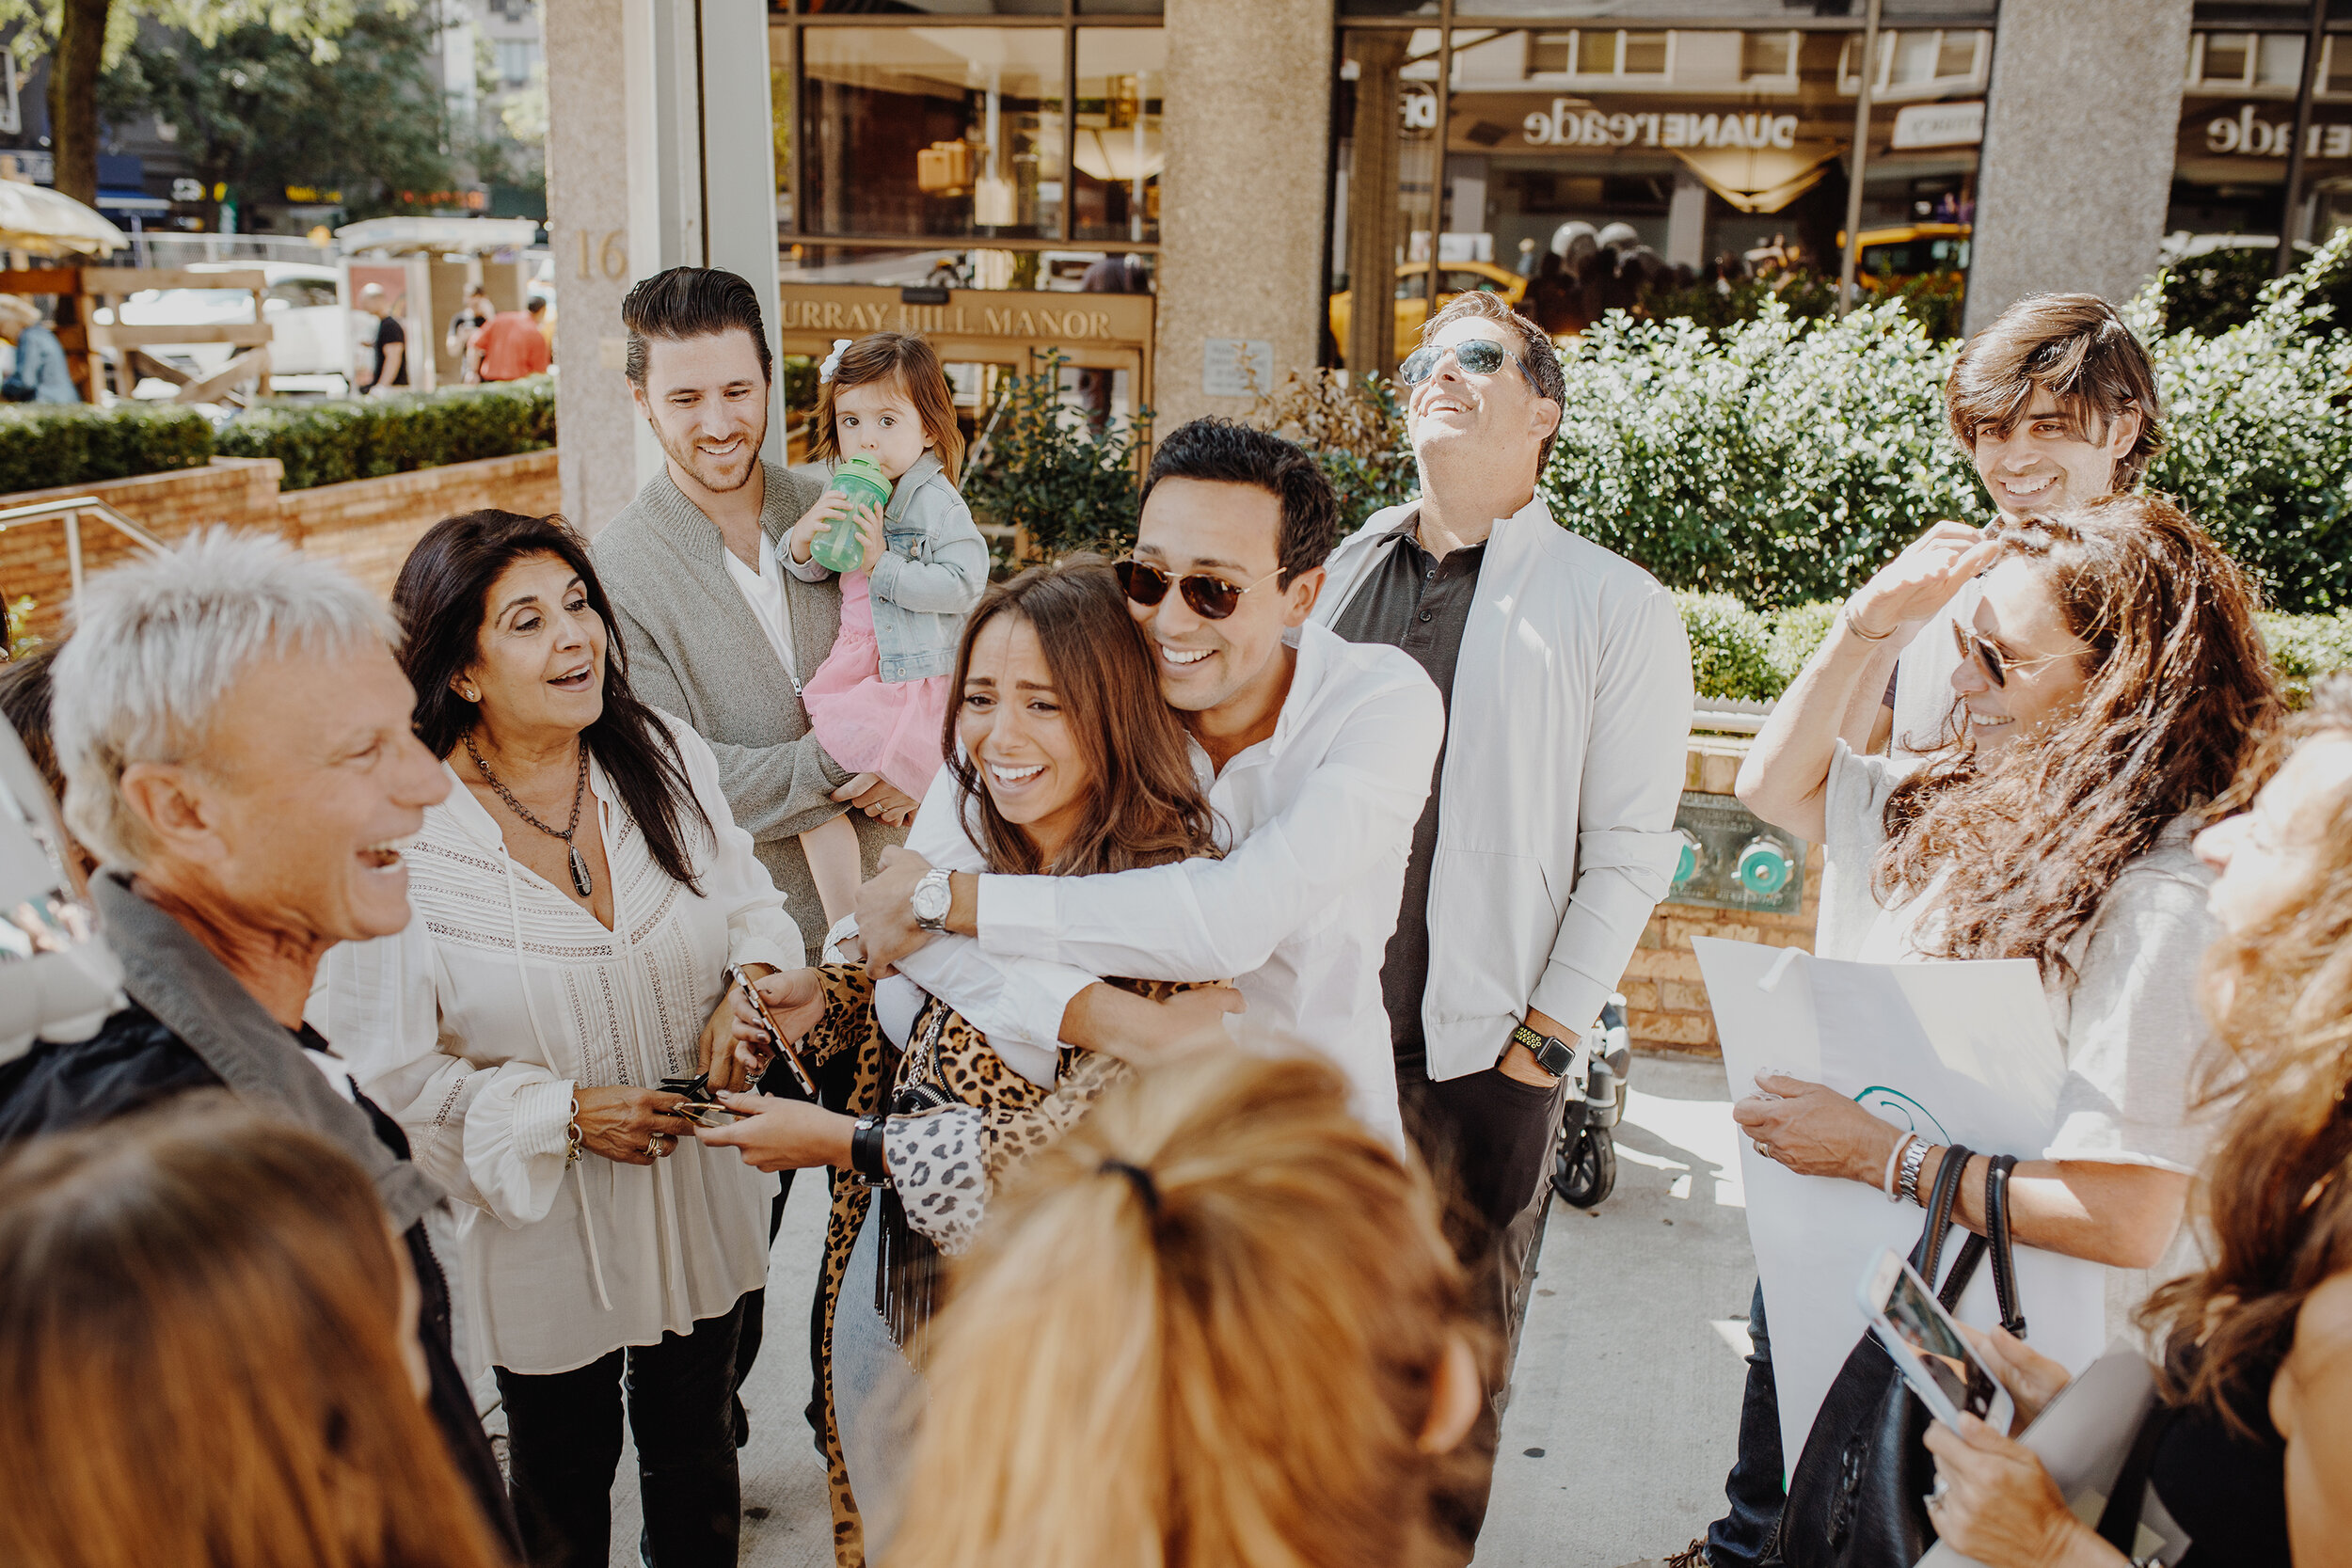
[
  {"x": 466, "y": 236},
  {"x": 38, "y": 219},
  {"x": 1761, "y": 179}
]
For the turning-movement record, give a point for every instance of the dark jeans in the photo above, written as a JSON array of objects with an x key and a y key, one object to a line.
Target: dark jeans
[
  {"x": 1487, "y": 1140},
  {"x": 1754, "y": 1488},
  {"x": 563, "y": 1443}
]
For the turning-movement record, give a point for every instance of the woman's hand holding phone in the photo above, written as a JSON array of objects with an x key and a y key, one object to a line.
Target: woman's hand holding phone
[{"x": 2032, "y": 1379}]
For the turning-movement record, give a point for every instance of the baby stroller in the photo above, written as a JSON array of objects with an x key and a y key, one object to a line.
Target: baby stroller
[{"x": 1584, "y": 1162}]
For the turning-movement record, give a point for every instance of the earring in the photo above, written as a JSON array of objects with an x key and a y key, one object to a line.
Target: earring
[{"x": 469, "y": 693}]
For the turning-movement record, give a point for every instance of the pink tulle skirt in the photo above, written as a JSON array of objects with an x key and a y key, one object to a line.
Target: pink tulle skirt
[{"x": 867, "y": 724}]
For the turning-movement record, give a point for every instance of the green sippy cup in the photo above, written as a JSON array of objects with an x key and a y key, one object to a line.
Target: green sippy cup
[{"x": 861, "y": 479}]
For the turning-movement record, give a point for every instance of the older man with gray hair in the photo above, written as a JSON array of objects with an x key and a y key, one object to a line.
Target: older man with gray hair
[{"x": 234, "y": 734}]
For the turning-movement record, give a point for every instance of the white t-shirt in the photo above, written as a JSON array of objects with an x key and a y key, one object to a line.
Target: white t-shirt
[
  {"x": 763, "y": 589},
  {"x": 2131, "y": 1025}
]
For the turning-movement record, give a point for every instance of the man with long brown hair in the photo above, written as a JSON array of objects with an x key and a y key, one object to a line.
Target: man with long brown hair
[{"x": 2055, "y": 404}]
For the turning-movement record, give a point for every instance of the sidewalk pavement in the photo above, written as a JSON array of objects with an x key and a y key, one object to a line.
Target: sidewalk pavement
[{"x": 1626, "y": 1401}]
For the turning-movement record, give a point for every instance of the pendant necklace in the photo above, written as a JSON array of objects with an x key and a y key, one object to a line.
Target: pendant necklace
[{"x": 580, "y": 878}]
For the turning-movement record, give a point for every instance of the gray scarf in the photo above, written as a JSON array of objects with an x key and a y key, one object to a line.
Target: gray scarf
[{"x": 168, "y": 972}]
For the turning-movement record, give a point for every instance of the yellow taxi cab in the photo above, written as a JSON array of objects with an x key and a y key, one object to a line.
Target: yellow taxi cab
[
  {"x": 1912, "y": 250},
  {"x": 1412, "y": 295}
]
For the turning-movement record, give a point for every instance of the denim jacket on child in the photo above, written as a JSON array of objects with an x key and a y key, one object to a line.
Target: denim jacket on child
[{"x": 929, "y": 576}]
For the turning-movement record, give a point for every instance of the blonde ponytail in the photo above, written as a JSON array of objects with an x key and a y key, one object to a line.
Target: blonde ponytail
[{"x": 1198, "y": 1333}]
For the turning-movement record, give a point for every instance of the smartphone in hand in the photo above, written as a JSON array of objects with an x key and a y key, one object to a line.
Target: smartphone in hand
[
  {"x": 1926, "y": 1346},
  {"x": 776, "y": 1042}
]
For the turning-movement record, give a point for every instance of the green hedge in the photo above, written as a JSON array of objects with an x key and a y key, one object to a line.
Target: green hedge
[
  {"x": 321, "y": 441},
  {"x": 1783, "y": 461},
  {"x": 330, "y": 441},
  {"x": 1740, "y": 652},
  {"x": 44, "y": 445}
]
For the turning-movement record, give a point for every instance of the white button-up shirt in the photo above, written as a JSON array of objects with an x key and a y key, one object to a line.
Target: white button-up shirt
[
  {"x": 473, "y": 1026},
  {"x": 1319, "y": 819}
]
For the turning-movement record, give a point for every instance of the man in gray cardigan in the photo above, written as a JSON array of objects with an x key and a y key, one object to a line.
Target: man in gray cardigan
[{"x": 716, "y": 632}]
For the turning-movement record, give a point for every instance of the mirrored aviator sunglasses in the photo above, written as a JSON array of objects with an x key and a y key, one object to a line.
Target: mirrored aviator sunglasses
[
  {"x": 1478, "y": 356},
  {"x": 1210, "y": 598}
]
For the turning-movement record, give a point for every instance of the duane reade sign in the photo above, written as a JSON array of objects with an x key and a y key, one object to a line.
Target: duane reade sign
[
  {"x": 1569, "y": 124},
  {"x": 2246, "y": 136}
]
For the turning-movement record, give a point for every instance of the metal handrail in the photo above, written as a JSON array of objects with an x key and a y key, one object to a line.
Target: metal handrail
[{"x": 70, "y": 508}]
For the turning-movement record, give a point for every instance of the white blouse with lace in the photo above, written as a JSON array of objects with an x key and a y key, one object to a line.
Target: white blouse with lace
[{"x": 473, "y": 1025}]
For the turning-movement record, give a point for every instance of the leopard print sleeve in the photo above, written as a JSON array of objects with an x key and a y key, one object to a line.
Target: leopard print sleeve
[
  {"x": 936, "y": 1166},
  {"x": 946, "y": 1162}
]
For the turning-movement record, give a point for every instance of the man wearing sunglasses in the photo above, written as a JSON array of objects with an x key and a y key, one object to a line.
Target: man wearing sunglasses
[
  {"x": 1317, "y": 753},
  {"x": 2056, "y": 402},
  {"x": 1549, "y": 834}
]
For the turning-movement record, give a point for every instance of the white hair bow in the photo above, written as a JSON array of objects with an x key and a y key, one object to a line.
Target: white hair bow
[{"x": 833, "y": 361}]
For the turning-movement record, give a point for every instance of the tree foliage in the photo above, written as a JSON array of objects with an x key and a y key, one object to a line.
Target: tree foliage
[
  {"x": 258, "y": 109},
  {"x": 88, "y": 36}
]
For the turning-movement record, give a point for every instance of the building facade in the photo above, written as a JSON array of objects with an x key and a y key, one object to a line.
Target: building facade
[{"x": 1186, "y": 199}]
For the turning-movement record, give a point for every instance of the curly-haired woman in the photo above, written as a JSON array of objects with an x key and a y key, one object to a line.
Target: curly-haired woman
[
  {"x": 2255, "y": 1458},
  {"x": 2112, "y": 681}
]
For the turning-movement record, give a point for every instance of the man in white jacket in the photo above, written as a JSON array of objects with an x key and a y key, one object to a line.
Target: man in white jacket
[
  {"x": 1549, "y": 834},
  {"x": 1316, "y": 752}
]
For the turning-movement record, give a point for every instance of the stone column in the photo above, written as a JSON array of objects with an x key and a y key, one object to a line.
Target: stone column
[
  {"x": 2080, "y": 125},
  {"x": 1247, "y": 128},
  {"x": 652, "y": 105},
  {"x": 588, "y": 223}
]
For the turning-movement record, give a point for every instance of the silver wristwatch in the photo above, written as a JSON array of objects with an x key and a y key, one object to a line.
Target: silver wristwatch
[{"x": 930, "y": 900}]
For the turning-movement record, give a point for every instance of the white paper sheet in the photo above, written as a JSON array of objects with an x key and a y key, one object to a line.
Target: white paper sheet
[{"x": 1959, "y": 1053}]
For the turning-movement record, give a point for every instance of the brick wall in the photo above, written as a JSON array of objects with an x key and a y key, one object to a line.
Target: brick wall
[
  {"x": 366, "y": 526},
  {"x": 1666, "y": 1008},
  {"x": 241, "y": 492}
]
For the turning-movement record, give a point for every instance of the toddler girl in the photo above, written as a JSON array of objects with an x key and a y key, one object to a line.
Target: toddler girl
[{"x": 879, "y": 702}]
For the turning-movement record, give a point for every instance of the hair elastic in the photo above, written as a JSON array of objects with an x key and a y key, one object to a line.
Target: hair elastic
[
  {"x": 831, "y": 365},
  {"x": 1137, "y": 1177}
]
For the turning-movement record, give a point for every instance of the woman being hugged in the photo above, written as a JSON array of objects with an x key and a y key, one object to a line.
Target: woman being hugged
[
  {"x": 1069, "y": 762},
  {"x": 2112, "y": 681},
  {"x": 878, "y": 701},
  {"x": 577, "y": 904},
  {"x": 2254, "y": 1460}
]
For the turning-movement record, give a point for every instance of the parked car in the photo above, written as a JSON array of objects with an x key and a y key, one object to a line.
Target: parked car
[
  {"x": 1412, "y": 293},
  {"x": 307, "y": 324},
  {"x": 1911, "y": 250}
]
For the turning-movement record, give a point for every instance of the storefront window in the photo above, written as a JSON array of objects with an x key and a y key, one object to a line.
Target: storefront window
[
  {"x": 1117, "y": 154},
  {"x": 992, "y": 154},
  {"x": 950, "y": 130},
  {"x": 2240, "y": 100},
  {"x": 1581, "y": 167}
]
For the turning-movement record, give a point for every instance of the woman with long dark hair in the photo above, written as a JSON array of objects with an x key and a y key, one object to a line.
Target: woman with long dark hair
[
  {"x": 1069, "y": 762},
  {"x": 2112, "y": 680},
  {"x": 578, "y": 902},
  {"x": 2254, "y": 1456}
]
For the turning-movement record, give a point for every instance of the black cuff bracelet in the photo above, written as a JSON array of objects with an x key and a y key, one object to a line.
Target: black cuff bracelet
[{"x": 867, "y": 1155}]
